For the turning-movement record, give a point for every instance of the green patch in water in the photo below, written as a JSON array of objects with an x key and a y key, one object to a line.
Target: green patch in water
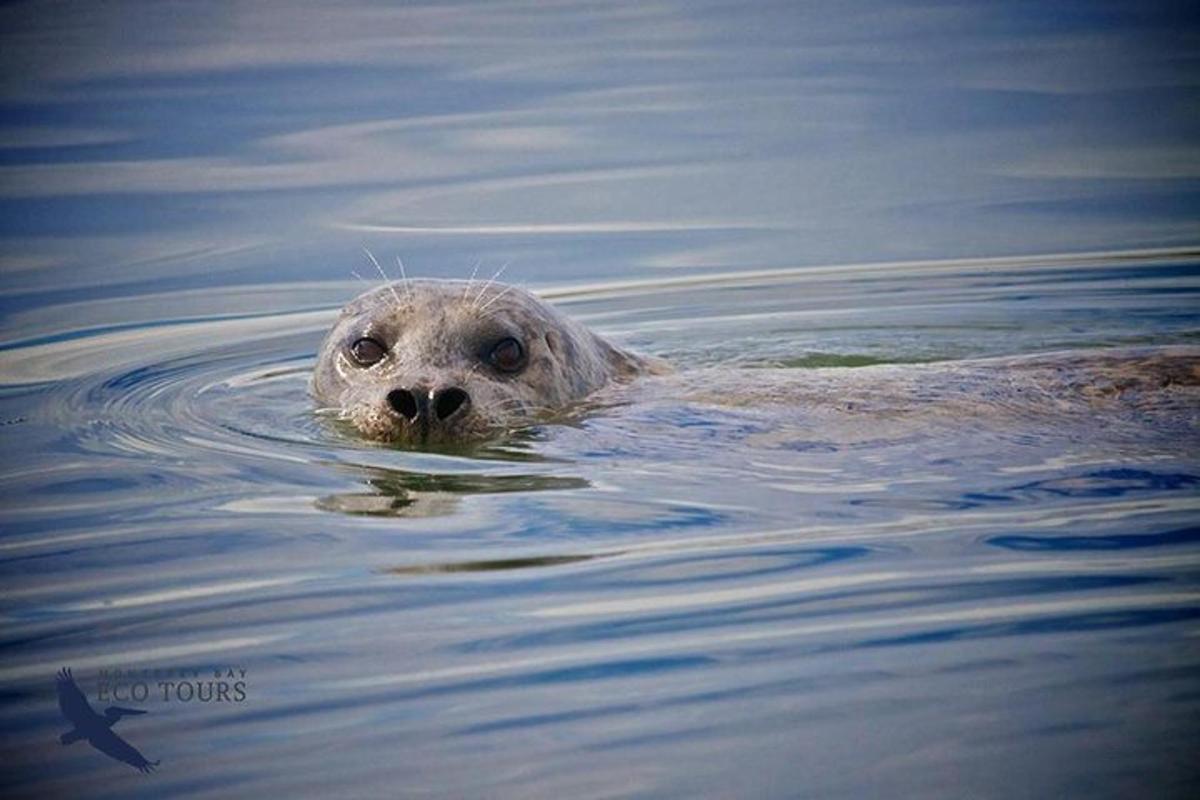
[{"x": 818, "y": 360}]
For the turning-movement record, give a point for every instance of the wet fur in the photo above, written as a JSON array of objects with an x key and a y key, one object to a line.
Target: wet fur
[{"x": 436, "y": 331}]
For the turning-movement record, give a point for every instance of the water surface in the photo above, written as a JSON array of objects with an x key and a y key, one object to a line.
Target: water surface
[{"x": 665, "y": 599}]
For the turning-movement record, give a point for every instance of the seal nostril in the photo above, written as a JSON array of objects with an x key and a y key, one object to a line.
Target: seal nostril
[
  {"x": 449, "y": 401},
  {"x": 403, "y": 401}
]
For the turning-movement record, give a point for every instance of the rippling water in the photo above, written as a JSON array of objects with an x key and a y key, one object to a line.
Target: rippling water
[
  {"x": 660, "y": 598},
  {"x": 667, "y": 598}
]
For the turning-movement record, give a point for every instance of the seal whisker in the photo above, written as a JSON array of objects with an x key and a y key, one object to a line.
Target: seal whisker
[
  {"x": 491, "y": 281},
  {"x": 518, "y": 403},
  {"x": 466, "y": 376},
  {"x": 510, "y": 401},
  {"x": 506, "y": 405},
  {"x": 408, "y": 290},
  {"x": 384, "y": 275},
  {"x": 328, "y": 411},
  {"x": 495, "y": 297},
  {"x": 471, "y": 280},
  {"x": 539, "y": 411}
]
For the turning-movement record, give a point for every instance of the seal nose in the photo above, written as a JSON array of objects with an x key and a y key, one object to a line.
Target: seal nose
[
  {"x": 416, "y": 403},
  {"x": 449, "y": 402},
  {"x": 404, "y": 403}
]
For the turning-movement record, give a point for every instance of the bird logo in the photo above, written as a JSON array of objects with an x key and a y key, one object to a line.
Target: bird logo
[{"x": 96, "y": 729}]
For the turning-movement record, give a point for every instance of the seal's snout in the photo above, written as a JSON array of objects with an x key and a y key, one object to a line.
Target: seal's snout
[
  {"x": 449, "y": 402},
  {"x": 405, "y": 403},
  {"x": 426, "y": 405}
]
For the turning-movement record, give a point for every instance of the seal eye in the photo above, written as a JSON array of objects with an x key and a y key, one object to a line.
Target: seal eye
[
  {"x": 367, "y": 351},
  {"x": 507, "y": 355}
]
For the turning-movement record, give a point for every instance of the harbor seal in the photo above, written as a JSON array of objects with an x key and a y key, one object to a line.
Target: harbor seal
[
  {"x": 438, "y": 362},
  {"x": 429, "y": 362}
]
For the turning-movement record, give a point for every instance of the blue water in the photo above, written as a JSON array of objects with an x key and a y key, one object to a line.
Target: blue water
[{"x": 668, "y": 598}]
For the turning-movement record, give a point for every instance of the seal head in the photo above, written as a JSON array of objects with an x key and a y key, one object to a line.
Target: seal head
[{"x": 424, "y": 362}]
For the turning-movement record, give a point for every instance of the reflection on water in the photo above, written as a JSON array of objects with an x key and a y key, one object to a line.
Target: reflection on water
[
  {"x": 417, "y": 494},
  {"x": 495, "y": 564},
  {"x": 661, "y": 597}
]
